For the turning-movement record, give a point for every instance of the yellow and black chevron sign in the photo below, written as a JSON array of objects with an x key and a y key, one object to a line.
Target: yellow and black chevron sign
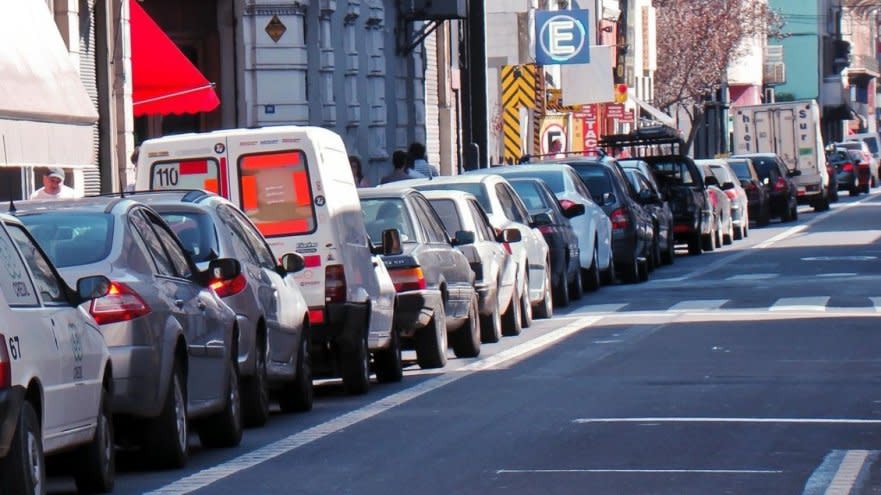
[{"x": 518, "y": 90}]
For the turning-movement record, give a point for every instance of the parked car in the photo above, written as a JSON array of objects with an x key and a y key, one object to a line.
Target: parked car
[
  {"x": 643, "y": 179},
  {"x": 851, "y": 170},
  {"x": 436, "y": 300},
  {"x": 172, "y": 339},
  {"x": 866, "y": 156},
  {"x": 554, "y": 223},
  {"x": 55, "y": 371},
  {"x": 593, "y": 228},
  {"x": 495, "y": 271},
  {"x": 721, "y": 208},
  {"x": 295, "y": 184},
  {"x": 506, "y": 210},
  {"x": 729, "y": 183},
  {"x": 777, "y": 180},
  {"x": 632, "y": 226},
  {"x": 873, "y": 143},
  {"x": 270, "y": 310},
  {"x": 758, "y": 196}
]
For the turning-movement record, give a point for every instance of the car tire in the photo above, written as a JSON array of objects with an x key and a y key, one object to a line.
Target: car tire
[
  {"x": 466, "y": 340},
  {"x": 512, "y": 324},
  {"x": 865, "y": 188},
  {"x": 695, "y": 244},
  {"x": 561, "y": 292},
  {"x": 24, "y": 467},
  {"x": 728, "y": 237},
  {"x": 576, "y": 288},
  {"x": 718, "y": 239},
  {"x": 491, "y": 324},
  {"x": 591, "y": 278},
  {"x": 387, "y": 362},
  {"x": 794, "y": 214},
  {"x": 224, "y": 429},
  {"x": 656, "y": 253},
  {"x": 668, "y": 256},
  {"x": 854, "y": 191},
  {"x": 167, "y": 434},
  {"x": 545, "y": 308},
  {"x": 708, "y": 241},
  {"x": 764, "y": 216},
  {"x": 255, "y": 389},
  {"x": 739, "y": 233},
  {"x": 525, "y": 306},
  {"x": 96, "y": 461},
  {"x": 355, "y": 364},
  {"x": 630, "y": 271},
  {"x": 608, "y": 276},
  {"x": 298, "y": 395},
  {"x": 644, "y": 271},
  {"x": 431, "y": 341}
]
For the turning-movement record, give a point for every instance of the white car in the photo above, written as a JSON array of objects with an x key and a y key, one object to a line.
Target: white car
[{"x": 54, "y": 371}]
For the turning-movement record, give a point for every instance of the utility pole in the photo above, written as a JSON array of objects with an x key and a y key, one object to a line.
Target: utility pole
[{"x": 474, "y": 113}]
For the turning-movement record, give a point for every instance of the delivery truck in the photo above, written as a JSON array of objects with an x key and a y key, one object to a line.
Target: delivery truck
[{"x": 791, "y": 130}]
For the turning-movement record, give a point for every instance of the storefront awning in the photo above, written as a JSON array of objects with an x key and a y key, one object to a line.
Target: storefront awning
[
  {"x": 46, "y": 116},
  {"x": 164, "y": 80}
]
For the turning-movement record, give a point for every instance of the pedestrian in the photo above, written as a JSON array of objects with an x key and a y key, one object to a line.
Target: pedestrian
[
  {"x": 401, "y": 168},
  {"x": 53, "y": 186},
  {"x": 355, "y": 164},
  {"x": 419, "y": 161}
]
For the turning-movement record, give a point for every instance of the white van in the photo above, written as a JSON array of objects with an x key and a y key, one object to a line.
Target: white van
[{"x": 296, "y": 185}]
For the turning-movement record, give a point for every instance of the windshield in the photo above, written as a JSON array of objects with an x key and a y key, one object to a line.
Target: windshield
[
  {"x": 741, "y": 168},
  {"x": 597, "y": 178},
  {"x": 530, "y": 193},
  {"x": 72, "y": 238},
  {"x": 196, "y": 233},
  {"x": 381, "y": 214},
  {"x": 476, "y": 189}
]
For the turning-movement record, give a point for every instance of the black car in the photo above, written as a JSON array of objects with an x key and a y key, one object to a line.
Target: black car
[
  {"x": 632, "y": 226},
  {"x": 846, "y": 166},
  {"x": 434, "y": 281},
  {"x": 777, "y": 180},
  {"x": 553, "y": 222},
  {"x": 758, "y": 197},
  {"x": 650, "y": 197}
]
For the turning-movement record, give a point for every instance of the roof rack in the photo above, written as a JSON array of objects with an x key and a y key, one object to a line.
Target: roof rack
[{"x": 657, "y": 140}]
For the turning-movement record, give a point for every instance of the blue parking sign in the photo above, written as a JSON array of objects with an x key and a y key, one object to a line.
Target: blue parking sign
[{"x": 562, "y": 37}]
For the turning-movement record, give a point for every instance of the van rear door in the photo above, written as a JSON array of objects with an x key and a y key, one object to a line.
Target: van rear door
[{"x": 197, "y": 164}]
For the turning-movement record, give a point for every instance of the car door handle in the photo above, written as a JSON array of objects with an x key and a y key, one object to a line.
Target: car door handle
[{"x": 179, "y": 303}]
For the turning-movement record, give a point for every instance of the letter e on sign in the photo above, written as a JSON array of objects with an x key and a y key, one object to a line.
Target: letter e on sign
[{"x": 563, "y": 37}]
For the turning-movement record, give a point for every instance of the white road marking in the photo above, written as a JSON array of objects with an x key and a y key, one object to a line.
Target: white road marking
[
  {"x": 816, "y": 304},
  {"x": 876, "y": 301},
  {"x": 848, "y": 471},
  {"x": 754, "y": 276},
  {"x": 601, "y": 308},
  {"x": 840, "y": 472},
  {"x": 640, "y": 471},
  {"x": 834, "y": 275},
  {"x": 785, "y": 235},
  {"x": 698, "y": 305},
  {"x": 830, "y": 421},
  {"x": 206, "y": 477}
]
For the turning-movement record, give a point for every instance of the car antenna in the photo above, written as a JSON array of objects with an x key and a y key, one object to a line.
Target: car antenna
[{"x": 12, "y": 207}]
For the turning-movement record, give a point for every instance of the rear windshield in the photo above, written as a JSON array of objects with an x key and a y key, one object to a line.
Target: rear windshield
[
  {"x": 449, "y": 215},
  {"x": 741, "y": 168},
  {"x": 381, "y": 214},
  {"x": 721, "y": 173},
  {"x": 674, "y": 173},
  {"x": 476, "y": 189},
  {"x": 276, "y": 193},
  {"x": 552, "y": 178},
  {"x": 765, "y": 166},
  {"x": 531, "y": 195},
  {"x": 196, "y": 233},
  {"x": 197, "y": 173},
  {"x": 72, "y": 238},
  {"x": 598, "y": 179},
  {"x": 872, "y": 143}
]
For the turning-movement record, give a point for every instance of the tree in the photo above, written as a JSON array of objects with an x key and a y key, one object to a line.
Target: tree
[{"x": 697, "y": 40}]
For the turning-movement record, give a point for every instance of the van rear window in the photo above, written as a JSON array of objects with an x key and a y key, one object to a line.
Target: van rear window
[
  {"x": 196, "y": 173},
  {"x": 276, "y": 193}
]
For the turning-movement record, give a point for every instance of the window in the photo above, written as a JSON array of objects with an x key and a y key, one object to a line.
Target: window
[
  {"x": 449, "y": 215},
  {"x": 509, "y": 208},
  {"x": 674, "y": 173},
  {"x": 17, "y": 286},
  {"x": 476, "y": 189},
  {"x": 741, "y": 168},
  {"x": 48, "y": 285},
  {"x": 381, "y": 214},
  {"x": 483, "y": 226},
  {"x": 142, "y": 229},
  {"x": 177, "y": 256},
  {"x": 72, "y": 240},
  {"x": 240, "y": 245},
  {"x": 257, "y": 242},
  {"x": 196, "y": 173},
  {"x": 430, "y": 222},
  {"x": 580, "y": 186},
  {"x": 276, "y": 193},
  {"x": 597, "y": 179},
  {"x": 767, "y": 168},
  {"x": 196, "y": 233},
  {"x": 530, "y": 194}
]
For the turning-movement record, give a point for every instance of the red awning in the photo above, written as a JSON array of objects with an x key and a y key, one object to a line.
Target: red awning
[{"x": 165, "y": 81}]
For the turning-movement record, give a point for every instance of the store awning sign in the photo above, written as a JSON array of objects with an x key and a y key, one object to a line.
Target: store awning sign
[{"x": 562, "y": 37}]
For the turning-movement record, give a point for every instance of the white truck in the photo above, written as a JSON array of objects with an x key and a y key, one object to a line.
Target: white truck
[{"x": 791, "y": 130}]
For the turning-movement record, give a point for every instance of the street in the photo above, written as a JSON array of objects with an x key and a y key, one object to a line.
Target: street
[{"x": 753, "y": 369}]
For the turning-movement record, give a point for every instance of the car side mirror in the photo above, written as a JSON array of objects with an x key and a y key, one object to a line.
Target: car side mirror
[
  {"x": 463, "y": 237},
  {"x": 391, "y": 242},
  {"x": 93, "y": 287},
  {"x": 509, "y": 236},
  {"x": 541, "y": 219},
  {"x": 573, "y": 210},
  {"x": 224, "y": 269},
  {"x": 711, "y": 181},
  {"x": 292, "y": 263},
  {"x": 793, "y": 173}
]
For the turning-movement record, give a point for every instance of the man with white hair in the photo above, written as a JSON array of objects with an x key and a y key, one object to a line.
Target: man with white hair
[{"x": 53, "y": 186}]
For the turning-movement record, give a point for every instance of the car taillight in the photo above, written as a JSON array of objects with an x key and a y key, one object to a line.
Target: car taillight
[
  {"x": 780, "y": 184},
  {"x": 620, "y": 219},
  {"x": 847, "y": 167},
  {"x": 5, "y": 367},
  {"x": 334, "y": 284},
  {"x": 120, "y": 304},
  {"x": 408, "y": 278},
  {"x": 546, "y": 229},
  {"x": 231, "y": 287}
]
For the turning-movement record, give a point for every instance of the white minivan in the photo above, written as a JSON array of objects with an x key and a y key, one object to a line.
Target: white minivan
[{"x": 296, "y": 185}]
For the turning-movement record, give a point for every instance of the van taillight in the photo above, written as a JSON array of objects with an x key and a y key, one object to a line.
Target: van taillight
[
  {"x": 120, "y": 304},
  {"x": 5, "y": 367},
  {"x": 334, "y": 284},
  {"x": 407, "y": 278},
  {"x": 231, "y": 287},
  {"x": 619, "y": 219}
]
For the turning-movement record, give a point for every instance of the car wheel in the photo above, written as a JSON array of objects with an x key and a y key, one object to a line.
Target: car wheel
[
  {"x": 561, "y": 292},
  {"x": 576, "y": 288},
  {"x": 388, "y": 363},
  {"x": 643, "y": 271},
  {"x": 739, "y": 233},
  {"x": 224, "y": 429},
  {"x": 168, "y": 433},
  {"x": 97, "y": 459},
  {"x": 431, "y": 341},
  {"x": 695, "y": 244},
  {"x": 512, "y": 324},
  {"x": 630, "y": 271},
  {"x": 297, "y": 395},
  {"x": 794, "y": 214},
  {"x": 609, "y": 276},
  {"x": 355, "y": 366},
  {"x": 669, "y": 254},
  {"x": 865, "y": 188},
  {"x": 590, "y": 278},
  {"x": 255, "y": 389},
  {"x": 545, "y": 308},
  {"x": 728, "y": 237},
  {"x": 525, "y": 306},
  {"x": 491, "y": 324},
  {"x": 466, "y": 340},
  {"x": 708, "y": 241},
  {"x": 764, "y": 216},
  {"x": 24, "y": 468}
]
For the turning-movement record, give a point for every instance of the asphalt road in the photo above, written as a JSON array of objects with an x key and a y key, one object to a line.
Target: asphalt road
[{"x": 753, "y": 369}]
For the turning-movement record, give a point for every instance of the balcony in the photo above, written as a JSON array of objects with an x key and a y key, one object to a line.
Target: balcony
[{"x": 863, "y": 65}]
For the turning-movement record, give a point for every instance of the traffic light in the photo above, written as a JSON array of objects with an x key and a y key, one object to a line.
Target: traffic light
[{"x": 620, "y": 93}]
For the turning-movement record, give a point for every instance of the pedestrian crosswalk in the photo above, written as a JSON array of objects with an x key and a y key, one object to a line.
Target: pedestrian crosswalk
[{"x": 808, "y": 304}]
